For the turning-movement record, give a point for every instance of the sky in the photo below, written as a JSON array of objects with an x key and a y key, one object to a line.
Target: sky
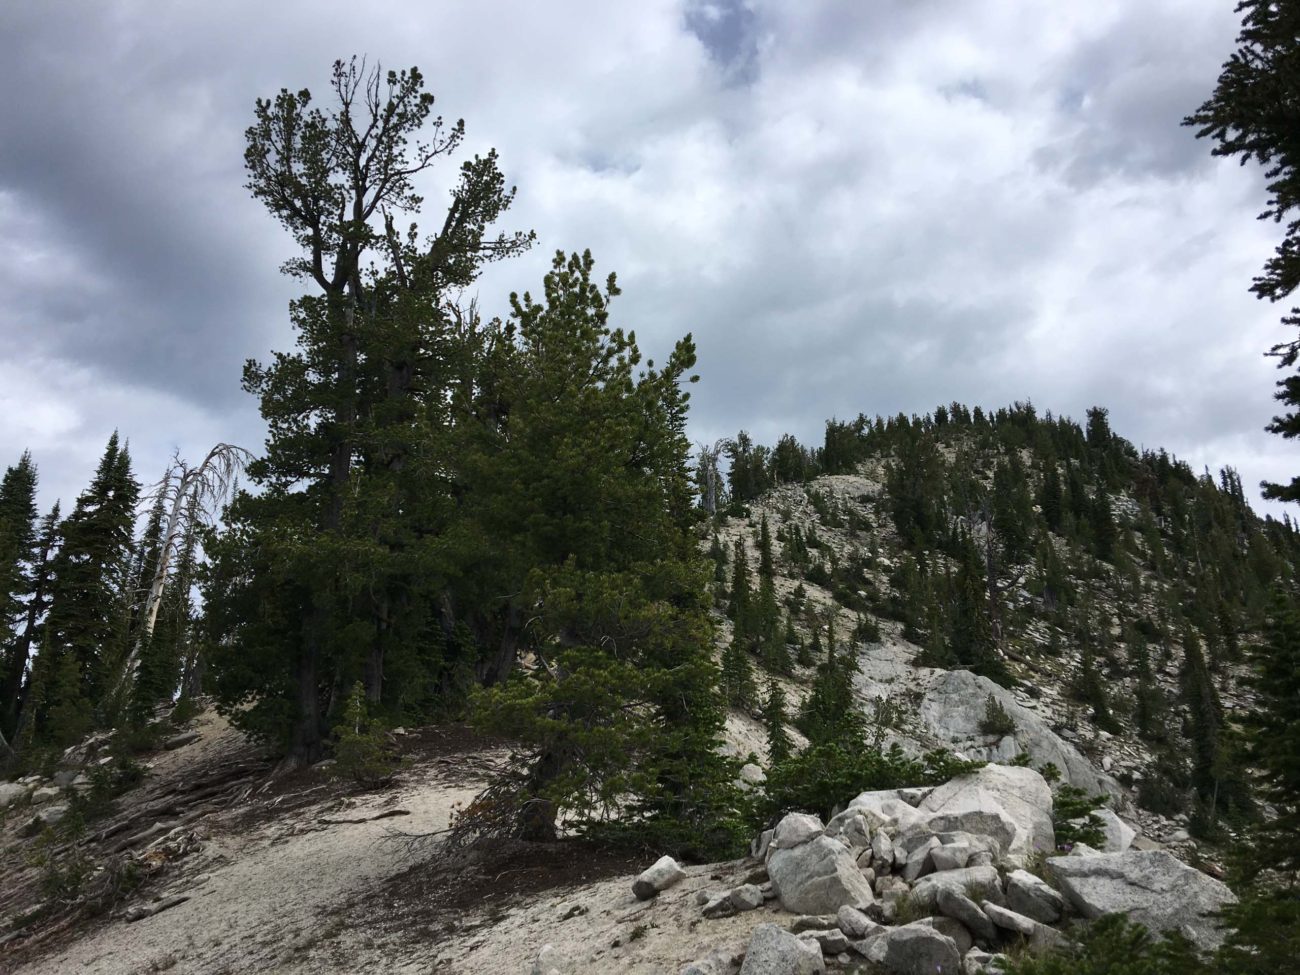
[{"x": 853, "y": 207}]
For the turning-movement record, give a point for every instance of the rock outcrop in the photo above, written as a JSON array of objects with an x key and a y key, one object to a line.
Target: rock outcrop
[{"x": 1153, "y": 888}]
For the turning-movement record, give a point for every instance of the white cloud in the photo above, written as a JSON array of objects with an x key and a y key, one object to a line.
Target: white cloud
[{"x": 854, "y": 207}]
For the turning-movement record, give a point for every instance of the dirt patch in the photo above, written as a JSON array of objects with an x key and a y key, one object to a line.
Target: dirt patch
[{"x": 459, "y": 892}]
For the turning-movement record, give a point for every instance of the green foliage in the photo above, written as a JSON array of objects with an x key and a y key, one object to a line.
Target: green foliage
[
  {"x": 825, "y": 776},
  {"x": 87, "y": 626},
  {"x": 1273, "y": 733},
  {"x": 1114, "y": 946},
  {"x": 996, "y": 720},
  {"x": 1070, "y": 804},
  {"x": 361, "y": 749},
  {"x": 1250, "y": 115},
  {"x": 830, "y": 711},
  {"x": 779, "y": 747}
]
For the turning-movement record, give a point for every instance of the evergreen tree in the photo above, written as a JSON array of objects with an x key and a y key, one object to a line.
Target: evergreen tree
[
  {"x": 829, "y": 714},
  {"x": 87, "y": 627},
  {"x": 740, "y": 608},
  {"x": 970, "y": 634},
  {"x": 18, "y": 558},
  {"x": 339, "y": 568},
  {"x": 625, "y": 714},
  {"x": 1273, "y": 730},
  {"x": 1049, "y": 498},
  {"x": 15, "y": 703},
  {"x": 1252, "y": 116},
  {"x": 779, "y": 747},
  {"x": 1012, "y": 509}
]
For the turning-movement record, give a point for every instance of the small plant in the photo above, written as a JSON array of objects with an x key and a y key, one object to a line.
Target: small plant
[
  {"x": 1073, "y": 819},
  {"x": 908, "y": 909},
  {"x": 362, "y": 752},
  {"x": 996, "y": 721}
]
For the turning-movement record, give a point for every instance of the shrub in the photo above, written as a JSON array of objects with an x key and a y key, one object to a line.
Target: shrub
[
  {"x": 996, "y": 721},
  {"x": 1070, "y": 805},
  {"x": 823, "y": 777},
  {"x": 1114, "y": 946},
  {"x": 362, "y": 752}
]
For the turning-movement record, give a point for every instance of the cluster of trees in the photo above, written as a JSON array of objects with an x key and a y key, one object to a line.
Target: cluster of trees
[
  {"x": 96, "y": 621},
  {"x": 460, "y": 515},
  {"x": 1007, "y": 525}
]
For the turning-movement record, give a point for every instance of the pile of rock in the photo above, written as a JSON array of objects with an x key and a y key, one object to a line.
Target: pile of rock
[{"x": 926, "y": 880}]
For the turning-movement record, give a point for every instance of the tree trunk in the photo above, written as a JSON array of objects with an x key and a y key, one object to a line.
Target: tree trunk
[
  {"x": 538, "y": 815},
  {"x": 22, "y": 649}
]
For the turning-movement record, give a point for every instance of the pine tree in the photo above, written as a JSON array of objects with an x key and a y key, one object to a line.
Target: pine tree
[
  {"x": 1251, "y": 116},
  {"x": 779, "y": 747},
  {"x": 87, "y": 627},
  {"x": 1273, "y": 728},
  {"x": 626, "y": 713},
  {"x": 1049, "y": 498},
  {"x": 830, "y": 714},
  {"x": 970, "y": 636},
  {"x": 741, "y": 609},
  {"x": 738, "y": 684},
  {"x": 18, "y": 695},
  {"x": 18, "y": 558},
  {"x": 339, "y": 569}
]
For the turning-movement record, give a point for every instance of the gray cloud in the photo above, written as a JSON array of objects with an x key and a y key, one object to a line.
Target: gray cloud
[{"x": 854, "y": 207}]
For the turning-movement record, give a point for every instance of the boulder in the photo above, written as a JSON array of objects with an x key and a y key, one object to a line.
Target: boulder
[
  {"x": 759, "y": 845},
  {"x": 1119, "y": 834},
  {"x": 751, "y": 776},
  {"x": 918, "y": 861},
  {"x": 747, "y": 897},
  {"x": 850, "y": 828},
  {"x": 854, "y": 923},
  {"x": 11, "y": 792},
  {"x": 983, "y": 880},
  {"x": 832, "y": 941},
  {"x": 951, "y": 928},
  {"x": 914, "y": 949},
  {"x": 1012, "y": 805},
  {"x": 886, "y": 809},
  {"x": 817, "y": 877},
  {"x": 720, "y": 905},
  {"x": 882, "y": 848},
  {"x": 46, "y": 793},
  {"x": 773, "y": 951},
  {"x": 1153, "y": 888},
  {"x": 1040, "y": 936},
  {"x": 1034, "y": 897},
  {"x": 795, "y": 829},
  {"x": 658, "y": 877},
  {"x": 952, "y": 709},
  {"x": 959, "y": 907},
  {"x": 950, "y": 856}
]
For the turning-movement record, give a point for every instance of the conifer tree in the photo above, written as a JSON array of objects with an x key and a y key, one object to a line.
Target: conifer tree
[
  {"x": 1273, "y": 729},
  {"x": 970, "y": 634},
  {"x": 337, "y": 569},
  {"x": 1049, "y": 498},
  {"x": 18, "y": 565},
  {"x": 779, "y": 746},
  {"x": 1251, "y": 116},
  {"x": 17, "y": 694},
  {"x": 625, "y": 713},
  {"x": 87, "y": 627},
  {"x": 740, "y": 608}
]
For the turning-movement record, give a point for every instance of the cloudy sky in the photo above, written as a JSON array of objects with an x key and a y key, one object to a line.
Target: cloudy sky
[{"x": 855, "y": 207}]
